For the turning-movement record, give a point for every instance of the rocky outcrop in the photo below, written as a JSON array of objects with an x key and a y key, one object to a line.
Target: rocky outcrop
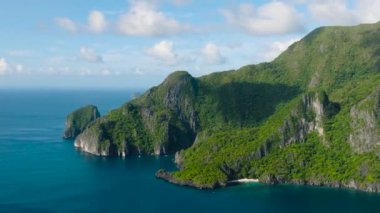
[
  {"x": 172, "y": 121},
  {"x": 88, "y": 141},
  {"x": 308, "y": 117},
  {"x": 365, "y": 124},
  {"x": 180, "y": 98},
  {"x": 167, "y": 176},
  {"x": 77, "y": 121},
  {"x": 93, "y": 141},
  {"x": 352, "y": 184},
  {"x": 97, "y": 140}
]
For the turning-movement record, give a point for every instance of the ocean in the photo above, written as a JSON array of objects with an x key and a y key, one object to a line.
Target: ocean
[{"x": 40, "y": 172}]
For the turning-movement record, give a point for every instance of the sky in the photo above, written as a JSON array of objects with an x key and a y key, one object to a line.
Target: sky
[{"x": 137, "y": 43}]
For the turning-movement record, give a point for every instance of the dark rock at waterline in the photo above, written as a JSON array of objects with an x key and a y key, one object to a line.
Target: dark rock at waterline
[{"x": 167, "y": 176}]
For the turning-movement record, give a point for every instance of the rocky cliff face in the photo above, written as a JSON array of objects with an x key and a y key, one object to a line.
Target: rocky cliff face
[
  {"x": 77, "y": 121},
  {"x": 307, "y": 117},
  {"x": 90, "y": 141},
  {"x": 173, "y": 121},
  {"x": 365, "y": 124},
  {"x": 180, "y": 98},
  {"x": 96, "y": 139}
]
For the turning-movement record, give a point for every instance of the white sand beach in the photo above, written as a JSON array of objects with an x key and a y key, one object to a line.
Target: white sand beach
[{"x": 244, "y": 180}]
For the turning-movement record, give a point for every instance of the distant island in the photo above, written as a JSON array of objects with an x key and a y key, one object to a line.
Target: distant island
[{"x": 312, "y": 116}]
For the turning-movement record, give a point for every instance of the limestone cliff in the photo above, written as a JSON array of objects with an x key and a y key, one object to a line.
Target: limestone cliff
[
  {"x": 172, "y": 120},
  {"x": 91, "y": 141},
  {"x": 365, "y": 124},
  {"x": 307, "y": 117}
]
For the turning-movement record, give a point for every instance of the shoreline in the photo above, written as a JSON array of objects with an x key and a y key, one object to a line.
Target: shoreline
[
  {"x": 350, "y": 185},
  {"x": 243, "y": 180}
]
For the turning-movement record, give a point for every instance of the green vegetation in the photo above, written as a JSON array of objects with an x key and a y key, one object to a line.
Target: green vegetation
[
  {"x": 77, "y": 121},
  {"x": 291, "y": 120}
]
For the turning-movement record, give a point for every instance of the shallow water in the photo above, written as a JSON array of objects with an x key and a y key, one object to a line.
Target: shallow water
[{"x": 39, "y": 172}]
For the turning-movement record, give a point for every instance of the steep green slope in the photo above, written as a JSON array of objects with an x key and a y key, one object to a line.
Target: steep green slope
[
  {"x": 77, "y": 121},
  {"x": 343, "y": 61},
  {"x": 161, "y": 121},
  {"x": 311, "y": 116}
]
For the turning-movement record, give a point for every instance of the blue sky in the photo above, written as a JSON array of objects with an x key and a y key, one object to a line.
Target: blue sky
[{"x": 136, "y": 43}]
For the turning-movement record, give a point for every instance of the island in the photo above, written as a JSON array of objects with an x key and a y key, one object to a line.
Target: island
[{"x": 311, "y": 116}]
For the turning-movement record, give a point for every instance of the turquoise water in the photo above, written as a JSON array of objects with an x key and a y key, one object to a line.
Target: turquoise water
[{"x": 39, "y": 172}]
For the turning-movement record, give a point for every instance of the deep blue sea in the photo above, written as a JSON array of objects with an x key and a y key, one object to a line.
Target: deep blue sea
[{"x": 40, "y": 172}]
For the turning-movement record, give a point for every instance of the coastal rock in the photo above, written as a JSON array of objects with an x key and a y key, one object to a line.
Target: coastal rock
[
  {"x": 95, "y": 140},
  {"x": 92, "y": 141},
  {"x": 78, "y": 120},
  {"x": 167, "y": 176},
  {"x": 269, "y": 179},
  {"x": 352, "y": 184},
  {"x": 365, "y": 123},
  {"x": 178, "y": 159}
]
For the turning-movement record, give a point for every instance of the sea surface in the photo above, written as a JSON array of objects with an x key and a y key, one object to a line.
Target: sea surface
[{"x": 40, "y": 172}]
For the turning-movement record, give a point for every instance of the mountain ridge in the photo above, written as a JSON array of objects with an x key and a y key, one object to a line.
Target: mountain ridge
[{"x": 304, "y": 108}]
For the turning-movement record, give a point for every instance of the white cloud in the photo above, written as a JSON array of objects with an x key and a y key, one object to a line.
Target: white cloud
[
  {"x": 97, "y": 72},
  {"x": 296, "y": 2},
  {"x": 173, "y": 2},
  {"x": 368, "y": 11},
  {"x": 180, "y": 2},
  {"x": 339, "y": 12},
  {"x": 211, "y": 54},
  {"x": 19, "y": 53},
  {"x": 19, "y": 68},
  {"x": 12, "y": 69},
  {"x": 67, "y": 24},
  {"x": 144, "y": 20},
  {"x": 90, "y": 55},
  {"x": 163, "y": 51},
  {"x": 85, "y": 72},
  {"x": 276, "y": 48},
  {"x": 333, "y": 11},
  {"x": 105, "y": 72},
  {"x": 272, "y": 18},
  {"x": 56, "y": 71},
  {"x": 3, "y": 66},
  {"x": 57, "y": 59},
  {"x": 138, "y": 71},
  {"x": 97, "y": 22}
]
